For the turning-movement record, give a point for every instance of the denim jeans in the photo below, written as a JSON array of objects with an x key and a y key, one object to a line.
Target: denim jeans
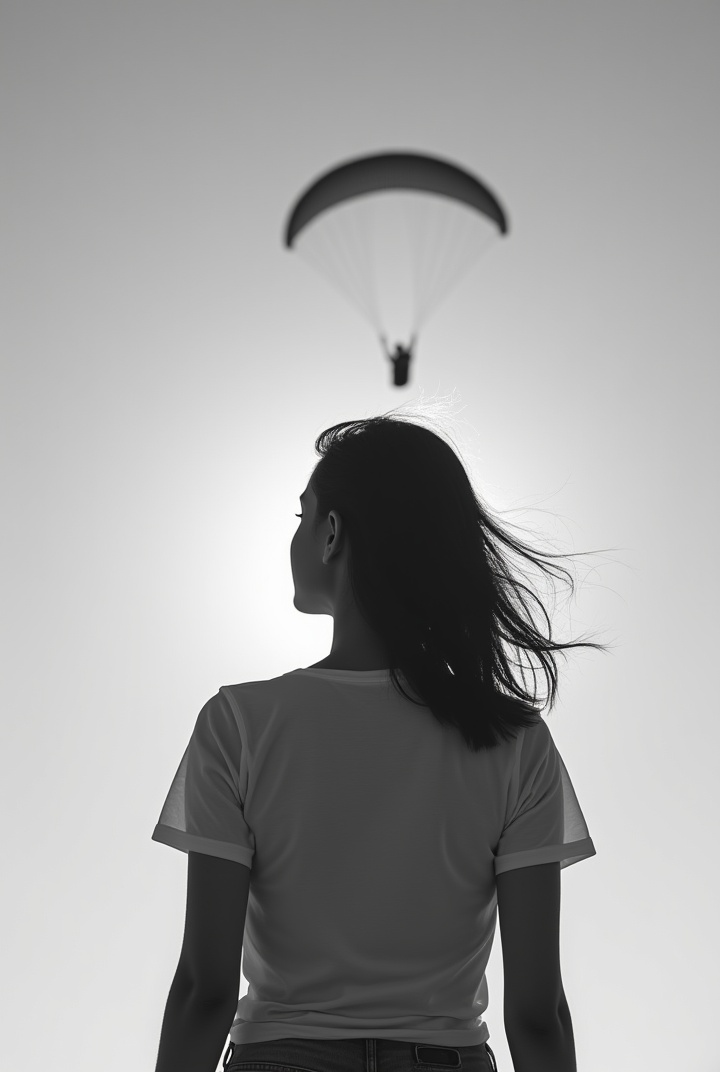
[{"x": 355, "y": 1055}]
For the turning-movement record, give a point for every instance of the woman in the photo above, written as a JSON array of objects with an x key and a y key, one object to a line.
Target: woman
[{"x": 354, "y": 827}]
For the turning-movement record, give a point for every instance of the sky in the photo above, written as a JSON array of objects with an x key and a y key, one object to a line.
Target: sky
[{"x": 167, "y": 365}]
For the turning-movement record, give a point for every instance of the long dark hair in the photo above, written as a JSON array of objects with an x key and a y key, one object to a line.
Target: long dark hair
[{"x": 429, "y": 576}]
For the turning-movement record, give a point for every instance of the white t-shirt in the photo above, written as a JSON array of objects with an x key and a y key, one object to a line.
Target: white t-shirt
[{"x": 374, "y": 836}]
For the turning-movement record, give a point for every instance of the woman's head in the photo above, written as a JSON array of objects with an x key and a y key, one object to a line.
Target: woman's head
[{"x": 421, "y": 560}]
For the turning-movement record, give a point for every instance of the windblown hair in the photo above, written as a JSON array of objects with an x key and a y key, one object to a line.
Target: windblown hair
[{"x": 429, "y": 575}]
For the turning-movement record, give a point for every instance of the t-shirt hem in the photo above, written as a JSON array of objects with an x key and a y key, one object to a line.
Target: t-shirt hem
[
  {"x": 247, "y": 1033},
  {"x": 572, "y": 853},
  {"x": 178, "y": 839}
]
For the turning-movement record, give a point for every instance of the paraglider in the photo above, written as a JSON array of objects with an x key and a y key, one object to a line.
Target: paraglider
[
  {"x": 400, "y": 359},
  {"x": 346, "y": 225}
]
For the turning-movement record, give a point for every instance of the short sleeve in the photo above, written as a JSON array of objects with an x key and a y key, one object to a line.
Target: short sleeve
[
  {"x": 203, "y": 811},
  {"x": 544, "y": 821}
]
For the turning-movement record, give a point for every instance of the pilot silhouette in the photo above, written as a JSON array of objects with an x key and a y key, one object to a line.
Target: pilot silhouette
[{"x": 400, "y": 359}]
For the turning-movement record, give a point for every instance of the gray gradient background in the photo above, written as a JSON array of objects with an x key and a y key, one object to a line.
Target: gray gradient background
[{"x": 167, "y": 366}]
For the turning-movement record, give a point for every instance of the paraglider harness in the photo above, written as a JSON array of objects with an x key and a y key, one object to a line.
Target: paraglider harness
[{"x": 400, "y": 359}]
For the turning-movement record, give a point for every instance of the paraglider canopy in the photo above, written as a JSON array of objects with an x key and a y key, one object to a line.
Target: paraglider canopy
[{"x": 392, "y": 171}]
